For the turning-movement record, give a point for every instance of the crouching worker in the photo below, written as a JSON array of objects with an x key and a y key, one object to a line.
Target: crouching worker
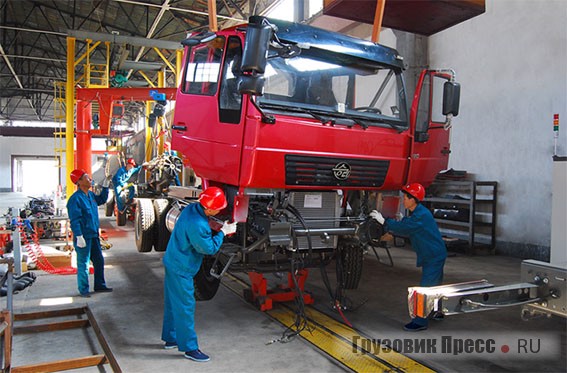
[
  {"x": 82, "y": 209},
  {"x": 425, "y": 239},
  {"x": 190, "y": 240}
]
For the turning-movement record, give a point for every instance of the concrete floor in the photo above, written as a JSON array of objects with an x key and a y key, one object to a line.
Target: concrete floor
[{"x": 235, "y": 334}]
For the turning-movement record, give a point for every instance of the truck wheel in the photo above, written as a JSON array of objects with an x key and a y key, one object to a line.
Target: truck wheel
[
  {"x": 144, "y": 225},
  {"x": 162, "y": 234},
  {"x": 351, "y": 257},
  {"x": 206, "y": 286},
  {"x": 109, "y": 208}
]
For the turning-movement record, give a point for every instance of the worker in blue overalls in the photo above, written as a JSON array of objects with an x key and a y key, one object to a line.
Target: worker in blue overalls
[
  {"x": 425, "y": 239},
  {"x": 191, "y": 239},
  {"x": 120, "y": 180},
  {"x": 82, "y": 208}
]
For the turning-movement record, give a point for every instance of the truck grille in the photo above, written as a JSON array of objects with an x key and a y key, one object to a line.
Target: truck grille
[{"x": 325, "y": 171}]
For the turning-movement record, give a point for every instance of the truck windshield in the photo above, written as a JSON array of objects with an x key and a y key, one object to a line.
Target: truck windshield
[{"x": 333, "y": 83}]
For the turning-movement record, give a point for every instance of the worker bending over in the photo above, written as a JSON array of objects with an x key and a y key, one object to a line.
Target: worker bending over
[
  {"x": 82, "y": 209},
  {"x": 191, "y": 239},
  {"x": 425, "y": 239}
]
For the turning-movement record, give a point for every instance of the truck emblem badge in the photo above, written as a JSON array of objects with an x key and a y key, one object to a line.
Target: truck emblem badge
[{"x": 341, "y": 171}]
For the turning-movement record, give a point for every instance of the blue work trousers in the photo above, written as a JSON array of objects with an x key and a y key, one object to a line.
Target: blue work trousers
[
  {"x": 120, "y": 204},
  {"x": 431, "y": 275},
  {"x": 179, "y": 311},
  {"x": 91, "y": 252}
]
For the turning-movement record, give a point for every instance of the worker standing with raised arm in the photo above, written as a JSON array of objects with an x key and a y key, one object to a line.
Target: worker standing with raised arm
[
  {"x": 120, "y": 180},
  {"x": 425, "y": 239},
  {"x": 82, "y": 209},
  {"x": 191, "y": 239}
]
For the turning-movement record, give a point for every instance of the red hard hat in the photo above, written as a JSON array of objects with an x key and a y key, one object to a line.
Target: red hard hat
[
  {"x": 131, "y": 161},
  {"x": 415, "y": 190},
  {"x": 213, "y": 198},
  {"x": 77, "y": 174}
]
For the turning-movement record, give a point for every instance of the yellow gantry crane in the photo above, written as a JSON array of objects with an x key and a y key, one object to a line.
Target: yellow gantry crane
[{"x": 96, "y": 75}]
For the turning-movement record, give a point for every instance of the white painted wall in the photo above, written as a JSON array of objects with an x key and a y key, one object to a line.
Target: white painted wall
[{"x": 512, "y": 64}]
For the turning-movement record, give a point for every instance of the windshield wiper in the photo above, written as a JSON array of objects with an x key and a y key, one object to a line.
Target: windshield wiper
[
  {"x": 391, "y": 123},
  {"x": 295, "y": 109},
  {"x": 329, "y": 117}
]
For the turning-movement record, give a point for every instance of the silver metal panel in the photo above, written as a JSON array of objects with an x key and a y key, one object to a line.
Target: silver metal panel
[
  {"x": 559, "y": 213},
  {"x": 318, "y": 209},
  {"x": 552, "y": 290}
]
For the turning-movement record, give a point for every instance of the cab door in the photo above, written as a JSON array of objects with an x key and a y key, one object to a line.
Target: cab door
[
  {"x": 432, "y": 109},
  {"x": 207, "y": 123}
]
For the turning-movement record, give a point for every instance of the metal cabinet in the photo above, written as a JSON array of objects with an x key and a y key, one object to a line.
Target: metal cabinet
[{"x": 465, "y": 212}]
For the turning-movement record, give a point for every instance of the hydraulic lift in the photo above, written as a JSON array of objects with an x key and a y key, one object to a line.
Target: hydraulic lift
[{"x": 261, "y": 296}]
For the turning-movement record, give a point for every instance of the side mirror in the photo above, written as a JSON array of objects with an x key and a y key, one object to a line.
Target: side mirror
[
  {"x": 251, "y": 85},
  {"x": 451, "y": 98},
  {"x": 258, "y": 37},
  {"x": 199, "y": 38}
]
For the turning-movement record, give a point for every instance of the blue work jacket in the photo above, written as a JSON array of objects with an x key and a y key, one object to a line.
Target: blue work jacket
[
  {"x": 122, "y": 176},
  {"x": 423, "y": 233},
  {"x": 190, "y": 240},
  {"x": 82, "y": 209}
]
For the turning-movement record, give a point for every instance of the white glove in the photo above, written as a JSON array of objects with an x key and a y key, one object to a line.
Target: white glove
[
  {"x": 377, "y": 216},
  {"x": 228, "y": 228},
  {"x": 81, "y": 242},
  {"x": 399, "y": 216}
]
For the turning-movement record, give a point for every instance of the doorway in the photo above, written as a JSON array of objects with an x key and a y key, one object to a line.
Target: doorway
[{"x": 35, "y": 176}]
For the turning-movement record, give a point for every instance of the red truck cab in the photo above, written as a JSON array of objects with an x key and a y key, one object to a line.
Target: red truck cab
[{"x": 297, "y": 123}]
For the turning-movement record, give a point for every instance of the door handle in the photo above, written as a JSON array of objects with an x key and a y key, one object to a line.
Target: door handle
[{"x": 179, "y": 127}]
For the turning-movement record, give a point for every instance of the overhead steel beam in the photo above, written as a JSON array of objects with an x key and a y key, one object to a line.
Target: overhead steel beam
[
  {"x": 120, "y": 39},
  {"x": 237, "y": 9},
  {"x": 31, "y": 30},
  {"x": 32, "y": 57},
  {"x": 26, "y": 131},
  {"x": 7, "y": 89},
  {"x": 9, "y": 64},
  {"x": 205, "y": 14},
  {"x": 36, "y": 76},
  {"x": 139, "y": 65},
  {"x": 213, "y": 24}
]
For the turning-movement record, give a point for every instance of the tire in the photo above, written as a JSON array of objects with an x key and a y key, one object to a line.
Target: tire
[
  {"x": 109, "y": 208},
  {"x": 144, "y": 222},
  {"x": 352, "y": 255},
  {"x": 206, "y": 286},
  {"x": 162, "y": 234}
]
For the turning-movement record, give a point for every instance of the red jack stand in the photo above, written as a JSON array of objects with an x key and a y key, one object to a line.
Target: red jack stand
[{"x": 259, "y": 294}]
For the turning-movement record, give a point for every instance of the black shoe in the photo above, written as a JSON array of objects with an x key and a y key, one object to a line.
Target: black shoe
[
  {"x": 413, "y": 327},
  {"x": 197, "y": 355},
  {"x": 170, "y": 345},
  {"x": 103, "y": 290},
  {"x": 84, "y": 295}
]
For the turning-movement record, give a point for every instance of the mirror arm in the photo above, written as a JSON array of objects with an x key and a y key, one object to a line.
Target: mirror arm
[{"x": 268, "y": 119}]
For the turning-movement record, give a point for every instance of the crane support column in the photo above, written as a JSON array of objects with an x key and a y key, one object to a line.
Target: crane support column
[
  {"x": 84, "y": 141},
  {"x": 69, "y": 114}
]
